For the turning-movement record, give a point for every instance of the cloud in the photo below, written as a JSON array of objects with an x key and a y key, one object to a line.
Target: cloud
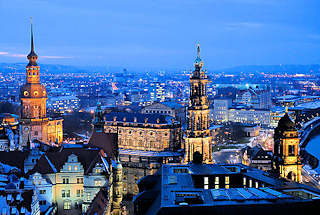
[{"x": 15, "y": 55}]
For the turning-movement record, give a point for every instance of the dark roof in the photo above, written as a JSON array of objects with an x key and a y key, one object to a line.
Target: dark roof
[
  {"x": 51, "y": 162},
  {"x": 26, "y": 196},
  {"x": 14, "y": 158},
  {"x": 139, "y": 117},
  {"x": 99, "y": 203},
  {"x": 285, "y": 123},
  {"x": 107, "y": 141}
]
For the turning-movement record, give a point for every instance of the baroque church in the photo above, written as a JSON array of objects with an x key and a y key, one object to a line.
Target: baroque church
[{"x": 35, "y": 124}]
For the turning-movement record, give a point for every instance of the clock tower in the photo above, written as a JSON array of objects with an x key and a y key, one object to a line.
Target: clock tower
[{"x": 33, "y": 96}]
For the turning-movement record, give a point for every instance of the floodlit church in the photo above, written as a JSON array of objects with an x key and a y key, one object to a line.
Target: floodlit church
[
  {"x": 33, "y": 95},
  {"x": 199, "y": 135}
]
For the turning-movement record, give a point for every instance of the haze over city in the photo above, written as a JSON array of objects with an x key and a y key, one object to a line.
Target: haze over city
[{"x": 162, "y": 34}]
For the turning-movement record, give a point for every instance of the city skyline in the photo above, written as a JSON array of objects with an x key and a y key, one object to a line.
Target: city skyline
[{"x": 138, "y": 36}]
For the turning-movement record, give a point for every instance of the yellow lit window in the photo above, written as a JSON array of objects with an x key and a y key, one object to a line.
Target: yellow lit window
[{"x": 67, "y": 205}]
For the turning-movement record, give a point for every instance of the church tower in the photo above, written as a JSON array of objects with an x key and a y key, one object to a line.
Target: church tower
[
  {"x": 199, "y": 137},
  {"x": 287, "y": 161},
  {"x": 33, "y": 96}
]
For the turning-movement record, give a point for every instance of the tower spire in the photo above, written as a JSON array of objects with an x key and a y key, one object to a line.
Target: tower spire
[
  {"x": 32, "y": 56},
  {"x": 32, "y": 48},
  {"x": 198, "y": 62}
]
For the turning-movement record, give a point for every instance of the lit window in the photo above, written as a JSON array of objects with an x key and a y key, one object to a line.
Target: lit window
[
  {"x": 67, "y": 205},
  {"x": 227, "y": 182},
  {"x": 206, "y": 182},
  {"x": 75, "y": 167},
  {"x": 97, "y": 182}
]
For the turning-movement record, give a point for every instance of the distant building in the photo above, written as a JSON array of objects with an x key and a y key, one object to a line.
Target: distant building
[
  {"x": 257, "y": 157},
  {"x": 251, "y": 130},
  {"x": 221, "y": 189},
  {"x": 250, "y": 116},
  {"x": 173, "y": 109},
  {"x": 220, "y": 111},
  {"x": 157, "y": 91},
  {"x": 255, "y": 98},
  {"x": 63, "y": 104}
]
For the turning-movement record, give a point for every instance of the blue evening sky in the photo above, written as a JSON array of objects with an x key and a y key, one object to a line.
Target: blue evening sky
[{"x": 162, "y": 33}]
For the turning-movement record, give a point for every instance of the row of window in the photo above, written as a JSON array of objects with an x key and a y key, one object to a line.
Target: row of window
[
  {"x": 158, "y": 111},
  {"x": 66, "y": 180},
  {"x": 67, "y": 205}
]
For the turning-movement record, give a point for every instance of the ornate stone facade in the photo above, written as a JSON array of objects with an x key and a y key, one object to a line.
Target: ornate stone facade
[
  {"x": 144, "y": 132},
  {"x": 199, "y": 136}
]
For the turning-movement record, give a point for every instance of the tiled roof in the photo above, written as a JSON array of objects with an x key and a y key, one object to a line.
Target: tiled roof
[{"x": 51, "y": 162}]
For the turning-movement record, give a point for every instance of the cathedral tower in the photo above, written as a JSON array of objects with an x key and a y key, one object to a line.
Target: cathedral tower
[
  {"x": 287, "y": 161},
  {"x": 199, "y": 137}
]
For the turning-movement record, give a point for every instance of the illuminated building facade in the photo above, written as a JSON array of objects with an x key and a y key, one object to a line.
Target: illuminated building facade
[
  {"x": 33, "y": 95},
  {"x": 74, "y": 176},
  {"x": 143, "y": 131},
  {"x": 199, "y": 136},
  {"x": 287, "y": 160}
]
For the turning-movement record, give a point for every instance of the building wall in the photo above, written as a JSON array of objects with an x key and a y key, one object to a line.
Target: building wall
[
  {"x": 44, "y": 130},
  {"x": 72, "y": 190},
  {"x": 156, "y": 138},
  {"x": 251, "y": 116},
  {"x": 44, "y": 190},
  {"x": 220, "y": 110}
]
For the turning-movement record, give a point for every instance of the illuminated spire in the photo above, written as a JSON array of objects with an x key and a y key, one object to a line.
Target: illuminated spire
[
  {"x": 198, "y": 61},
  {"x": 32, "y": 56}
]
